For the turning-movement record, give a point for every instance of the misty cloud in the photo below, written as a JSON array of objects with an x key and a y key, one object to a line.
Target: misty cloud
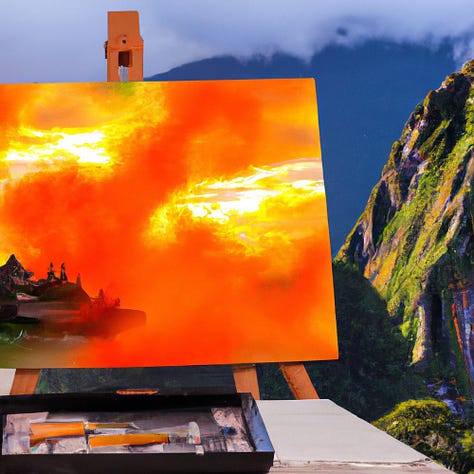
[{"x": 53, "y": 40}]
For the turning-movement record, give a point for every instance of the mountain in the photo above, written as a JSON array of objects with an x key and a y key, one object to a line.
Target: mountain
[
  {"x": 364, "y": 96},
  {"x": 414, "y": 241},
  {"x": 13, "y": 271},
  {"x": 13, "y": 275}
]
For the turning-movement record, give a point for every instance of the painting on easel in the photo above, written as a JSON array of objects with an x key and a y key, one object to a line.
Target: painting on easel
[{"x": 148, "y": 224}]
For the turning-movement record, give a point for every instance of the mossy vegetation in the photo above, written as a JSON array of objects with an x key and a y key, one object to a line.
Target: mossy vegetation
[
  {"x": 431, "y": 428},
  {"x": 426, "y": 198}
]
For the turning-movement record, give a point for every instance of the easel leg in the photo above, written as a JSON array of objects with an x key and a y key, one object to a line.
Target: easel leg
[
  {"x": 245, "y": 378},
  {"x": 298, "y": 380},
  {"x": 25, "y": 381}
]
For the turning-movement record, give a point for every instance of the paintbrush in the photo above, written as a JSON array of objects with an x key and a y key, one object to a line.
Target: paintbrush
[
  {"x": 40, "y": 432},
  {"x": 129, "y": 439}
]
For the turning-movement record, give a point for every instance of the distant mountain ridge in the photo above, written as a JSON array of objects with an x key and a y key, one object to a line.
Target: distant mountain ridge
[{"x": 414, "y": 241}]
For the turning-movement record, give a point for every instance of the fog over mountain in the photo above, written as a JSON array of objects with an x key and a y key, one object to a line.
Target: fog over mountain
[{"x": 53, "y": 40}]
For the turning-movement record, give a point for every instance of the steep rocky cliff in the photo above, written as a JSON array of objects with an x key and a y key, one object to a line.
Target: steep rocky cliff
[{"x": 414, "y": 241}]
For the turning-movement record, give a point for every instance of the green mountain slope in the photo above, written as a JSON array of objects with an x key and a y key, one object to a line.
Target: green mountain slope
[{"x": 414, "y": 241}]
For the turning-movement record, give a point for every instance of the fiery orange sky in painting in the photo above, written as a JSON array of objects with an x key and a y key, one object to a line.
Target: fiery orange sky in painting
[{"x": 200, "y": 203}]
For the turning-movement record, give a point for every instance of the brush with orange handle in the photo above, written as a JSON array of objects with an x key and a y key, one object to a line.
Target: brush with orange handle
[
  {"x": 127, "y": 439},
  {"x": 40, "y": 432}
]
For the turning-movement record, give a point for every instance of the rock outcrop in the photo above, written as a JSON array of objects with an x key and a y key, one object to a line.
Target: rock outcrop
[
  {"x": 13, "y": 273},
  {"x": 414, "y": 241}
]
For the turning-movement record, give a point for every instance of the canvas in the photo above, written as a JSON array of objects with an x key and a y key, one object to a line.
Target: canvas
[{"x": 148, "y": 224}]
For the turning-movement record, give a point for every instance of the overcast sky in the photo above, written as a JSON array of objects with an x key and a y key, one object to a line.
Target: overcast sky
[{"x": 62, "y": 40}]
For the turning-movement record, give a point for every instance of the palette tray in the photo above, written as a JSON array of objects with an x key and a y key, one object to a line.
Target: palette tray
[{"x": 128, "y": 433}]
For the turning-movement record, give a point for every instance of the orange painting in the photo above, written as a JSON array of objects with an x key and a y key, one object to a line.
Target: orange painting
[{"x": 148, "y": 224}]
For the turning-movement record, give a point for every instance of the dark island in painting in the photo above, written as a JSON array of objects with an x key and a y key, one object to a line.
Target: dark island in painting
[{"x": 54, "y": 306}]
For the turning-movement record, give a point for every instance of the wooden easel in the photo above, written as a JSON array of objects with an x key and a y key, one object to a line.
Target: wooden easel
[
  {"x": 124, "y": 54},
  {"x": 295, "y": 374}
]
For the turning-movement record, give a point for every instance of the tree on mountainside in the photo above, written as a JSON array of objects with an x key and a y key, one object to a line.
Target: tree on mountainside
[{"x": 431, "y": 428}]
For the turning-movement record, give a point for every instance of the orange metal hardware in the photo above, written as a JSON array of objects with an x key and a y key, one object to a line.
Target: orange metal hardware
[{"x": 124, "y": 47}]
